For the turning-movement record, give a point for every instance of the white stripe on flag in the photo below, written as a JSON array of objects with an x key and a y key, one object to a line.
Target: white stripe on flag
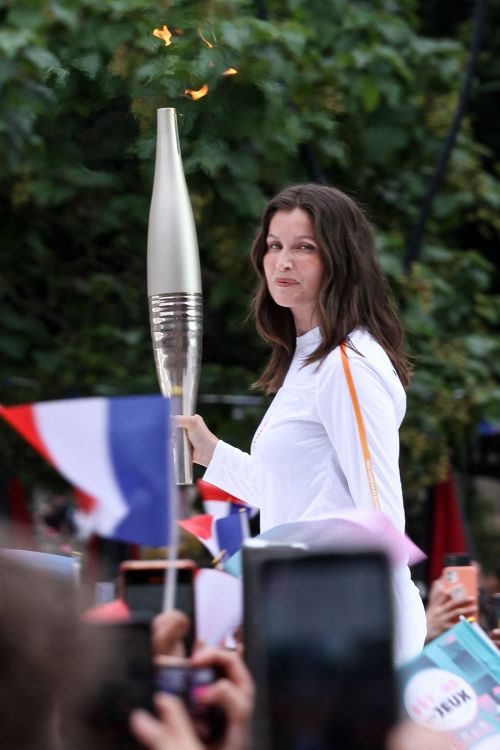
[
  {"x": 217, "y": 508},
  {"x": 75, "y": 433}
]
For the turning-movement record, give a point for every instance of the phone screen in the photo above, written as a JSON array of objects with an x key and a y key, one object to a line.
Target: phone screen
[
  {"x": 144, "y": 590},
  {"x": 122, "y": 679},
  {"x": 327, "y": 641}
]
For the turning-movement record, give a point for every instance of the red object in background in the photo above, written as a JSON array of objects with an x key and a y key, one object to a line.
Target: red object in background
[
  {"x": 15, "y": 513},
  {"x": 114, "y": 611},
  {"x": 448, "y": 527},
  {"x": 211, "y": 492},
  {"x": 18, "y": 507},
  {"x": 199, "y": 526}
]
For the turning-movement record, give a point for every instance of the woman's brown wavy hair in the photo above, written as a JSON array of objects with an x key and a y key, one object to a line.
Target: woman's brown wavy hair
[{"x": 355, "y": 292}]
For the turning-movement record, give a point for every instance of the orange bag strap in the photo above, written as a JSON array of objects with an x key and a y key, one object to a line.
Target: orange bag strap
[{"x": 361, "y": 426}]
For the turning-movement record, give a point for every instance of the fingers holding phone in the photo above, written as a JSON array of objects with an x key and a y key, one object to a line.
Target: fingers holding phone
[
  {"x": 178, "y": 677},
  {"x": 234, "y": 693},
  {"x": 172, "y": 728},
  {"x": 443, "y": 610},
  {"x": 169, "y": 631},
  {"x": 217, "y": 693},
  {"x": 460, "y": 579}
]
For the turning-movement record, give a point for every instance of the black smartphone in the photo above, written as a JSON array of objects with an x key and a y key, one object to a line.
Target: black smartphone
[
  {"x": 320, "y": 632},
  {"x": 120, "y": 677},
  {"x": 141, "y": 585},
  {"x": 178, "y": 677}
]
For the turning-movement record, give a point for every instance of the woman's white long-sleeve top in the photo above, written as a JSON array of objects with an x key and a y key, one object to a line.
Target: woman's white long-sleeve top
[
  {"x": 307, "y": 463},
  {"x": 306, "y": 460}
]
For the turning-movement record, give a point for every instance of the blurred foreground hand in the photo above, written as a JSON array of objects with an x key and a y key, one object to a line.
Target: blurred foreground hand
[
  {"x": 443, "y": 611},
  {"x": 169, "y": 629},
  {"x": 233, "y": 693},
  {"x": 409, "y": 736}
]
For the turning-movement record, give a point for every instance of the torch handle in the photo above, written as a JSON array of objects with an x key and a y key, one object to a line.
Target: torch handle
[{"x": 183, "y": 461}]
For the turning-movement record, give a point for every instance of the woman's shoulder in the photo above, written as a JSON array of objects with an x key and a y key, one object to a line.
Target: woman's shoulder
[
  {"x": 372, "y": 371},
  {"x": 362, "y": 347},
  {"x": 365, "y": 355}
]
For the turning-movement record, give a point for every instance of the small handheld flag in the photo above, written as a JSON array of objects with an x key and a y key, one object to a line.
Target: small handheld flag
[
  {"x": 116, "y": 453},
  {"x": 221, "y": 536}
]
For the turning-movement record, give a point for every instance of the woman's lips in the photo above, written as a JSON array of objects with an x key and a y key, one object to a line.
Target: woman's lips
[{"x": 285, "y": 282}]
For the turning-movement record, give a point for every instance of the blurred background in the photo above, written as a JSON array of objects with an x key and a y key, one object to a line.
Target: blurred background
[{"x": 394, "y": 101}]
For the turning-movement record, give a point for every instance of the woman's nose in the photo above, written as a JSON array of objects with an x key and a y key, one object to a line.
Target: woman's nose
[{"x": 284, "y": 259}]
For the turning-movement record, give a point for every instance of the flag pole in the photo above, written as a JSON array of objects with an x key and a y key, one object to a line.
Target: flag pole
[{"x": 173, "y": 503}]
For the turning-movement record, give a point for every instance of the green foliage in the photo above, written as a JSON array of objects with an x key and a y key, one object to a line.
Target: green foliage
[{"x": 353, "y": 87}]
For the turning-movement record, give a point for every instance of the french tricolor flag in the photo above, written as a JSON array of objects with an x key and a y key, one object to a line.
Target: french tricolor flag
[
  {"x": 219, "y": 503},
  {"x": 221, "y": 536},
  {"x": 115, "y": 452}
]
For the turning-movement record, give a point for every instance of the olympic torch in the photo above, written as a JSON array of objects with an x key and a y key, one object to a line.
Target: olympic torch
[{"x": 174, "y": 286}]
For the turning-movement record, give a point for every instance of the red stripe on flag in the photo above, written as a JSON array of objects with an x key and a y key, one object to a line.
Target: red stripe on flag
[
  {"x": 211, "y": 492},
  {"x": 200, "y": 526},
  {"x": 22, "y": 419},
  {"x": 18, "y": 505},
  {"x": 85, "y": 502}
]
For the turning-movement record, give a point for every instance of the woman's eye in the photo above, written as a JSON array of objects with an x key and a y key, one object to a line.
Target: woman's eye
[
  {"x": 307, "y": 248},
  {"x": 274, "y": 246}
]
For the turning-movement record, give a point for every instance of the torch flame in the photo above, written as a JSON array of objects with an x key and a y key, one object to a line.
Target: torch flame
[
  {"x": 164, "y": 34},
  {"x": 230, "y": 72},
  {"x": 197, "y": 93},
  {"x": 209, "y": 44}
]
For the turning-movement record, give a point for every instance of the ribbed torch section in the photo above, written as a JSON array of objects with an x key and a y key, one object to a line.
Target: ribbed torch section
[
  {"x": 174, "y": 286},
  {"x": 176, "y": 331}
]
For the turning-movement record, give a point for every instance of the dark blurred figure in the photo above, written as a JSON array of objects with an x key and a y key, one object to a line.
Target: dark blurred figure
[
  {"x": 37, "y": 627},
  {"x": 59, "y": 515}
]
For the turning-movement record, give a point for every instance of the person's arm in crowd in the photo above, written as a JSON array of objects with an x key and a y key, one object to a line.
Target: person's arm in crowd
[{"x": 443, "y": 611}]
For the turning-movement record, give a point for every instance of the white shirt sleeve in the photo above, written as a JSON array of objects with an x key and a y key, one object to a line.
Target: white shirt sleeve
[
  {"x": 337, "y": 414},
  {"x": 231, "y": 470}
]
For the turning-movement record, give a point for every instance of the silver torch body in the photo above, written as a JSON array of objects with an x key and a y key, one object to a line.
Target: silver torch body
[{"x": 174, "y": 286}]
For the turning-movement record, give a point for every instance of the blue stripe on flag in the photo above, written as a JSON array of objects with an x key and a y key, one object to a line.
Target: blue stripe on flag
[
  {"x": 139, "y": 438},
  {"x": 231, "y": 532}
]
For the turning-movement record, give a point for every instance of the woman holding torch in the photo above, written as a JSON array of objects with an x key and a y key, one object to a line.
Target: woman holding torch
[{"x": 329, "y": 441}]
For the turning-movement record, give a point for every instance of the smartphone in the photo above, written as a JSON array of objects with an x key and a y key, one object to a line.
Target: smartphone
[
  {"x": 120, "y": 677},
  {"x": 322, "y": 648},
  {"x": 460, "y": 577},
  {"x": 141, "y": 584},
  {"x": 179, "y": 677}
]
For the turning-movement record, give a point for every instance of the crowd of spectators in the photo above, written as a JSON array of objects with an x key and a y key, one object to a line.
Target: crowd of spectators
[{"x": 48, "y": 664}]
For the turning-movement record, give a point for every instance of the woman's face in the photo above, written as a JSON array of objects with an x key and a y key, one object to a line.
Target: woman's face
[{"x": 293, "y": 266}]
